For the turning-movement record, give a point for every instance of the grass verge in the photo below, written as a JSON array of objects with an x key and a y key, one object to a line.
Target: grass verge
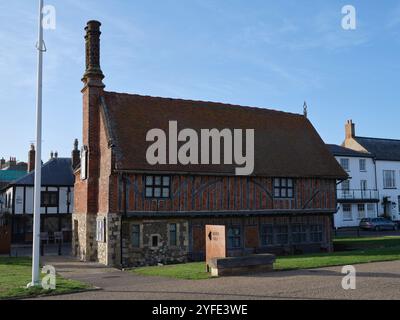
[
  {"x": 196, "y": 271},
  {"x": 15, "y": 274}
]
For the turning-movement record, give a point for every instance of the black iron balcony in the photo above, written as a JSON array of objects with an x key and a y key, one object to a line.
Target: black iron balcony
[{"x": 357, "y": 195}]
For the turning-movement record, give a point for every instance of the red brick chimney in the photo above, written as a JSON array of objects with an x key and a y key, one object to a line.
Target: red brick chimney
[
  {"x": 31, "y": 158},
  {"x": 92, "y": 92},
  {"x": 76, "y": 155},
  {"x": 350, "y": 129}
]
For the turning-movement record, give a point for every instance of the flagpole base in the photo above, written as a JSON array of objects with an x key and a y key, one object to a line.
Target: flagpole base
[{"x": 33, "y": 285}]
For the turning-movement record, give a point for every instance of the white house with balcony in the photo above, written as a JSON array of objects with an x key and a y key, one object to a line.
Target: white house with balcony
[
  {"x": 358, "y": 197},
  {"x": 386, "y": 153}
]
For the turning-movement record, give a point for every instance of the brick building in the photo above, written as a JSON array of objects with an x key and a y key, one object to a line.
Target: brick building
[{"x": 130, "y": 213}]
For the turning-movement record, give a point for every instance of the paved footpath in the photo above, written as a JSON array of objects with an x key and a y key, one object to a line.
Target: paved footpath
[{"x": 374, "y": 281}]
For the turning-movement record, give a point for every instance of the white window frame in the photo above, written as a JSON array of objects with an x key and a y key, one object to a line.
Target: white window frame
[
  {"x": 101, "y": 230},
  {"x": 361, "y": 213},
  {"x": 363, "y": 167},
  {"x": 342, "y": 163},
  {"x": 345, "y": 213},
  {"x": 389, "y": 182}
]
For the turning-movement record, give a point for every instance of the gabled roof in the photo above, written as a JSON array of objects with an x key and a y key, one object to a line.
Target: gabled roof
[
  {"x": 55, "y": 172},
  {"x": 11, "y": 175},
  {"x": 337, "y": 150},
  {"x": 286, "y": 145},
  {"x": 382, "y": 149}
]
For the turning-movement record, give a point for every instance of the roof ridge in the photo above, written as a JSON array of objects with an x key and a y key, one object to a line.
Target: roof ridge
[
  {"x": 387, "y": 139},
  {"x": 209, "y": 102}
]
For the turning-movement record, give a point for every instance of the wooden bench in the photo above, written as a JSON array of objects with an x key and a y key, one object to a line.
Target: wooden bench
[{"x": 257, "y": 263}]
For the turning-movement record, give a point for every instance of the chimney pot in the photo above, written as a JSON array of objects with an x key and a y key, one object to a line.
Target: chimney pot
[
  {"x": 76, "y": 155},
  {"x": 31, "y": 158},
  {"x": 93, "y": 75},
  {"x": 350, "y": 129}
]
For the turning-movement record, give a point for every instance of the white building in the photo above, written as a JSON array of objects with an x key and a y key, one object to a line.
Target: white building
[
  {"x": 358, "y": 196},
  {"x": 386, "y": 155},
  {"x": 57, "y": 200}
]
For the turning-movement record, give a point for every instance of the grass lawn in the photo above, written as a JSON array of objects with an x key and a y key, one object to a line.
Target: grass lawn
[
  {"x": 368, "y": 242},
  {"x": 15, "y": 274},
  {"x": 388, "y": 250}
]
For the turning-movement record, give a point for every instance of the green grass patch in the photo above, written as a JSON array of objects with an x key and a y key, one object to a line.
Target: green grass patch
[
  {"x": 367, "y": 242},
  {"x": 15, "y": 274},
  {"x": 196, "y": 271},
  {"x": 188, "y": 271}
]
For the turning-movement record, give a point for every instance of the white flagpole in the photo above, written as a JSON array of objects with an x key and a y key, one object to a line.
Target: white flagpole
[{"x": 38, "y": 160}]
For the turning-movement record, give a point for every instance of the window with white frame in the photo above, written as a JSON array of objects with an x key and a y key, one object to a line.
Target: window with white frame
[
  {"x": 364, "y": 187},
  {"x": 345, "y": 187},
  {"x": 389, "y": 179},
  {"x": 345, "y": 163},
  {"x": 361, "y": 210},
  {"x": 363, "y": 165},
  {"x": 371, "y": 210},
  {"x": 101, "y": 230},
  {"x": 347, "y": 212}
]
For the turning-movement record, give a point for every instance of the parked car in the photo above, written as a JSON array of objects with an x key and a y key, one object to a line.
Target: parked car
[{"x": 378, "y": 224}]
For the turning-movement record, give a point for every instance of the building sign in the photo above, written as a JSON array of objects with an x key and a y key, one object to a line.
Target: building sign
[{"x": 215, "y": 243}]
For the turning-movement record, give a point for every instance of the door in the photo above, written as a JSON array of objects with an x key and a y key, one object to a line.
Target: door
[
  {"x": 5, "y": 236},
  {"x": 199, "y": 243},
  {"x": 251, "y": 235}
]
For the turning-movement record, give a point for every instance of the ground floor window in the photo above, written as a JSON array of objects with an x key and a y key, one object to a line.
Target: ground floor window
[
  {"x": 347, "y": 212},
  {"x": 173, "y": 241},
  {"x": 100, "y": 230},
  {"x": 267, "y": 235},
  {"x": 371, "y": 210},
  {"x": 299, "y": 233},
  {"x": 282, "y": 234},
  {"x": 316, "y": 233},
  {"x": 234, "y": 238},
  {"x": 361, "y": 211},
  {"x": 155, "y": 240},
  {"x": 136, "y": 236}
]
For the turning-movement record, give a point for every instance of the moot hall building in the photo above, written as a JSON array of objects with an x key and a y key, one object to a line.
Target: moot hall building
[{"x": 128, "y": 212}]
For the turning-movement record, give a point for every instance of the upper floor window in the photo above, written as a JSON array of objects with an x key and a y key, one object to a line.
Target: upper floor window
[
  {"x": 49, "y": 199},
  {"x": 389, "y": 179},
  {"x": 283, "y": 188},
  {"x": 158, "y": 187},
  {"x": 345, "y": 163},
  {"x": 363, "y": 165}
]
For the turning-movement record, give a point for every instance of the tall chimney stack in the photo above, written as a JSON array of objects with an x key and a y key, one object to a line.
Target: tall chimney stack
[
  {"x": 31, "y": 158},
  {"x": 350, "y": 129},
  {"x": 76, "y": 155},
  {"x": 93, "y": 75},
  {"x": 2, "y": 163}
]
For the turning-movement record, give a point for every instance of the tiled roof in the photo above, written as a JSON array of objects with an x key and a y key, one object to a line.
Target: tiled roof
[
  {"x": 56, "y": 172},
  {"x": 382, "y": 149},
  {"x": 286, "y": 145},
  {"x": 337, "y": 150},
  {"x": 10, "y": 175}
]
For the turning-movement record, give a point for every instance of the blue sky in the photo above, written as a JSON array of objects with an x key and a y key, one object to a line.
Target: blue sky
[{"x": 273, "y": 54}]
